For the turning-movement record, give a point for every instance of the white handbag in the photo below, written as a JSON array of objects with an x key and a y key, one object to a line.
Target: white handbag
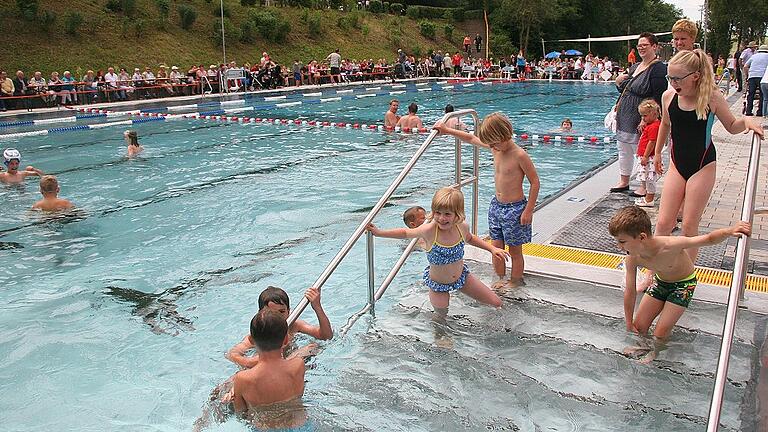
[{"x": 610, "y": 120}]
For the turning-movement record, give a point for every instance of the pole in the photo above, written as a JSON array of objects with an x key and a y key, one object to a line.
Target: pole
[
  {"x": 487, "y": 34},
  {"x": 589, "y": 43},
  {"x": 543, "y": 51},
  {"x": 223, "y": 42}
]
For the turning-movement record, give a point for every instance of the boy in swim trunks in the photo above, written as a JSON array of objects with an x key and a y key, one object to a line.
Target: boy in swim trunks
[
  {"x": 12, "y": 160},
  {"x": 415, "y": 217},
  {"x": 49, "y": 188},
  {"x": 276, "y": 299},
  {"x": 675, "y": 279},
  {"x": 510, "y": 214}
]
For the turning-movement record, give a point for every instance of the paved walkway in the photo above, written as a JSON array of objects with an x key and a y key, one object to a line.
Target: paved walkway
[{"x": 589, "y": 231}]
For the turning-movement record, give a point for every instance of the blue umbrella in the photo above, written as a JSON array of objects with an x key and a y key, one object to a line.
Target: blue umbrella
[
  {"x": 573, "y": 52},
  {"x": 553, "y": 54}
]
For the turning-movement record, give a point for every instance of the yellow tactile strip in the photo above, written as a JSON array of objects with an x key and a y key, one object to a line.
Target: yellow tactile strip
[{"x": 705, "y": 275}]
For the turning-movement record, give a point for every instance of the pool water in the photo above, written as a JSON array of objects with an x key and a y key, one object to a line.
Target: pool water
[{"x": 119, "y": 319}]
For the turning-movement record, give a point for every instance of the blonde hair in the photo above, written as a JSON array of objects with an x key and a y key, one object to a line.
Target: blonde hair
[
  {"x": 686, "y": 26},
  {"x": 495, "y": 128},
  {"x": 648, "y": 105},
  {"x": 48, "y": 184},
  {"x": 697, "y": 61},
  {"x": 449, "y": 199}
]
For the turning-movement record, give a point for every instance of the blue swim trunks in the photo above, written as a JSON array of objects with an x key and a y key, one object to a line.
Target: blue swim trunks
[
  {"x": 504, "y": 222},
  {"x": 441, "y": 287}
]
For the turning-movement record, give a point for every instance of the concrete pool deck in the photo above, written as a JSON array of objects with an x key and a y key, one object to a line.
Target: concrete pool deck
[{"x": 578, "y": 218}]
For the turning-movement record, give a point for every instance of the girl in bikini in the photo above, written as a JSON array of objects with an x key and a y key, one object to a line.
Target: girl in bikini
[
  {"x": 689, "y": 110},
  {"x": 445, "y": 235}
]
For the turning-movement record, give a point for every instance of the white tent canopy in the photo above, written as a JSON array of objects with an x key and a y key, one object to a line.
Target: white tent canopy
[{"x": 589, "y": 39}]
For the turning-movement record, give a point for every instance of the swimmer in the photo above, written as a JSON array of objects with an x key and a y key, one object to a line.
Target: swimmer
[
  {"x": 453, "y": 122},
  {"x": 411, "y": 120},
  {"x": 391, "y": 118},
  {"x": 276, "y": 299},
  {"x": 415, "y": 217},
  {"x": 274, "y": 379},
  {"x": 675, "y": 279},
  {"x": 51, "y": 202},
  {"x": 12, "y": 160},
  {"x": 132, "y": 138},
  {"x": 566, "y": 126}
]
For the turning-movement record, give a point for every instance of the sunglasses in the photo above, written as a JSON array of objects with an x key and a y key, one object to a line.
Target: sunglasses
[{"x": 674, "y": 79}]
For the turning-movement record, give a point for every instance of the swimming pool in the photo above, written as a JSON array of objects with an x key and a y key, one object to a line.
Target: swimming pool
[{"x": 120, "y": 319}]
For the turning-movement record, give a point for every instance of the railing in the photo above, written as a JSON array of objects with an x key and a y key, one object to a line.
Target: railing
[
  {"x": 374, "y": 295},
  {"x": 737, "y": 287}
]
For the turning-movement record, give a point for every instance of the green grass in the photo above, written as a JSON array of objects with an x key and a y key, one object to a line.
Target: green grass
[{"x": 110, "y": 39}]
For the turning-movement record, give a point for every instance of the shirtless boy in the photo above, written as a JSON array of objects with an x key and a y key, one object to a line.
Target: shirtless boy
[
  {"x": 391, "y": 118},
  {"x": 12, "y": 160},
  {"x": 411, "y": 120},
  {"x": 276, "y": 300},
  {"x": 51, "y": 202},
  {"x": 510, "y": 214},
  {"x": 274, "y": 379},
  {"x": 675, "y": 279}
]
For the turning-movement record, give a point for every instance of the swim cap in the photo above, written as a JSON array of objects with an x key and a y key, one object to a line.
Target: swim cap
[{"x": 10, "y": 154}]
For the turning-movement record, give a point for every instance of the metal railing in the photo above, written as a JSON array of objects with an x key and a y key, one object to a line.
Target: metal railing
[
  {"x": 373, "y": 294},
  {"x": 737, "y": 288}
]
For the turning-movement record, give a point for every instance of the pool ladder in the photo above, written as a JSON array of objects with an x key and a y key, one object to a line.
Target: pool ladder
[
  {"x": 375, "y": 294},
  {"x": 736, "y": 292}
]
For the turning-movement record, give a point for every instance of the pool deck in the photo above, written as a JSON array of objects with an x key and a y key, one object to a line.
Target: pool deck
[{"x": 578, "y": 218}]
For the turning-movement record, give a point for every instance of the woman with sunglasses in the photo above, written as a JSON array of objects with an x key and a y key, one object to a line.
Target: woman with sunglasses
[
  {"x": 643, "y": 80},
  {"x": 689, "y": 109}
]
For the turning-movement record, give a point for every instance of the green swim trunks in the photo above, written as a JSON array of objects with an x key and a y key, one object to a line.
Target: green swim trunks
[{"x": 679, "y": 292}]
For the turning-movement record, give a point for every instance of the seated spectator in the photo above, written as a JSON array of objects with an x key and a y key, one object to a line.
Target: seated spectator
[
  {"x": 67, "y": 88},
  {"x": 124, "y": 83},
  {"x": 175, "y": 79},
  {"x": 21, "y": 89},
  {"x": 163, "y": 83},
  {"x": 6, "y": 90},
  {"x": 89, "y": 88},
  {"x": 39, "y": 86},
  {"x": 138, "y": 83},
  {"x": 149, "y": 81},
  {"x": 54, "y": 88},
  {"x": 112, "y": 87}
]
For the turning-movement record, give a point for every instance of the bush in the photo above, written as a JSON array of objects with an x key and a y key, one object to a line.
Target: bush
[
  {"x": 232, "y": 34},
  {"x": 163, "y": 9},
  {"x": 128, "y": 7},
  {"x": 187, "y": 16},
  {"x": 416, "y": 51},
  {"x": 501, "y": 45},
  {"x": 349, "y": 20},
  {"x": 427, "y": 29},
  {"x": 314, "y": 24},
  {"x": 366, "y": 30},
  {"x": 417, "y": 12},
  {"x": 472, "y": 14},
  {"x": 271, "y": 26},
  {"x": 248, "y": 2},
  {"x": 247, "y": 32},
  {"x": 456, "y": 15},
  {"x": 27, "y": 9},
  {"x": 385, "y": 6},
  {"x": 114, "y": 6},
  {"x": 139, "y": 25},
  {"x": 412, "y": 12},
  {"x": 72, "y": 22},
  {"x": 217, "y": 8},
  {"x": 396, "y": 8},
  {"x": 448, "y": 32},
  {"x": 376, "y": 6},
  {"x": 47, "y": 20}
]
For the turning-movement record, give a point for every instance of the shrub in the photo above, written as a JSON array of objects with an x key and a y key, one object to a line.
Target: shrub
[
  {"x": 472, "y": 14},
  {"x": 385, "y": 6},
  {"x": 271, "y": 26},
  {"x": 47, "y": 20},
  {"x": 412, "y": 12},
  {"x": 187, "y": 16},
  {"x": 416, "y": 51},
  {"x": 72, "y": 22},
  {"x": 448, "y": 31},
  {"x": 247, "y": 32},
  {"x": 396, "y": 8},
  {"x": 314, "y": 24},
  {"x": 248, "y": 3},
  {"x": 139, "y": 25},
  {"x": 163, "y": 9},
  {"x": 349, "y": 20},
  {"x": 376, "y": 6},
  {"x": 455, "y": 14},
  {"x": 501, "y": 45},
  {"x": 114, "y": 6},
  {"x": 217, "y": 9},
  {"x": 427, "y": 29},
  {"x": 128, "y": 7},
  {"x": 232, "y": 34},
  {"x": 27, "y": 9},
  {"x": 366, "y": 30},
  {"x": 431, "y": 12}
]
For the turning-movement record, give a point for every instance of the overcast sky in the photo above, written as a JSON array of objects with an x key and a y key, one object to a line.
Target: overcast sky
[{"x": 690, "y": 7}]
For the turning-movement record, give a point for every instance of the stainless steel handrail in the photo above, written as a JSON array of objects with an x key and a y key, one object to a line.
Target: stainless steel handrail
[
  {"x": 737, "y": 285},
  {"x": 295, "y": 313}
]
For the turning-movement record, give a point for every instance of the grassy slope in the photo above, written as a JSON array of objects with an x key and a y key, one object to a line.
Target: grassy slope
[{"x": 107, "y": 38}]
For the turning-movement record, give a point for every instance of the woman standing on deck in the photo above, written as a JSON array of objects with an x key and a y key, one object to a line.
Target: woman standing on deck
[{"x": 641, "y": 81}]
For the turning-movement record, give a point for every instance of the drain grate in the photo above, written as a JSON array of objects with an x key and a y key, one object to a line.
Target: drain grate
[{"x": 705, "y": 275}]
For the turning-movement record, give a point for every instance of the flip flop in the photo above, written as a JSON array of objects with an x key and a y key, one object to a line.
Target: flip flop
[{"x": 620, "y": 189}]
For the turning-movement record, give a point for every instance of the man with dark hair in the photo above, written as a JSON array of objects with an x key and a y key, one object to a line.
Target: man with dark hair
[
  {"x": 334, "y": 61},
  {"x": 274, "y": 379},
  {"x": 411, "y": 121}
]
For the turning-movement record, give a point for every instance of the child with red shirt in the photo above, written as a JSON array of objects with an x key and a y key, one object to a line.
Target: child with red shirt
[{"x": 644, "y": 171}]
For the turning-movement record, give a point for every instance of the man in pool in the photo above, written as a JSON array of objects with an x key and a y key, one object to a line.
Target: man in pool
[
  {"x": 274, "y": 379},
  {"x": 411, "y": 121},
  {"x": 276, "y": 299},
  {"x": 12, "y": 160},
  {"x": 390, "y": 117},
  {"x": 675, "y": 279}
]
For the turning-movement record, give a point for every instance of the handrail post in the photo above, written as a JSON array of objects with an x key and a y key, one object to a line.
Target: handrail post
[
  {"x": 475, "y": 185},
  {"x": 457, "y": 160},
  {"x": 737, "y": 285},
  {"x": 371, "y": 280}
]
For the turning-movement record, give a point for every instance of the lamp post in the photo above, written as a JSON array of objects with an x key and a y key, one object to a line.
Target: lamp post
[{"x": 223, "y": 42}]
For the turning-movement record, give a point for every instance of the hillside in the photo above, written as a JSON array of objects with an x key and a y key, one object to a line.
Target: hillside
[{"x": 142, "y": 38}]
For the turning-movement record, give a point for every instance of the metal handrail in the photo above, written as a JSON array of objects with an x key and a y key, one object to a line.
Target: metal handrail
[
  {"x": 295, "y": 313},
  {"x": 737, "y": 286}
]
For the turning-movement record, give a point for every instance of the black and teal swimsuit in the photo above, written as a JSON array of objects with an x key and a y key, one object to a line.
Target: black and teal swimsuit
[{"x": 692, "y": 146}]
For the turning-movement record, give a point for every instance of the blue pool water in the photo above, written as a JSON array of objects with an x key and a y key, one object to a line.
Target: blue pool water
[{"x": 119, "y": 319}]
